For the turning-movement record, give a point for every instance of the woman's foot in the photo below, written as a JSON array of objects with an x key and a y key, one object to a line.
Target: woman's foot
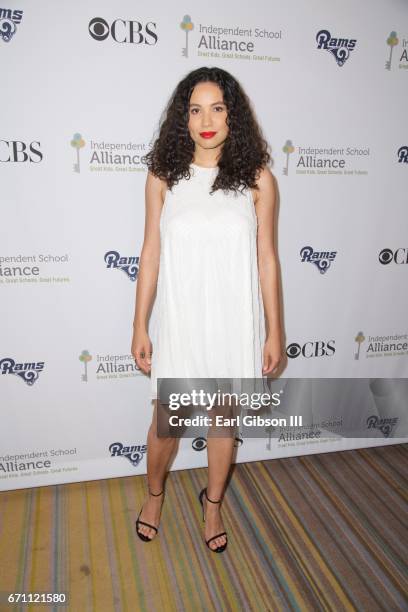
[
  {"x": 150, "y": 513},
  {"x": 213, "y": 524}
]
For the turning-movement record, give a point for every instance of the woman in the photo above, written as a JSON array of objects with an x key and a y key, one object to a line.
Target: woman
[{"x": 208, "y": 242}]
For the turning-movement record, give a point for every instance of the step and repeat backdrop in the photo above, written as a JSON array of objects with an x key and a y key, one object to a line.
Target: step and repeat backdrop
[{"x": 83, "y": 88}]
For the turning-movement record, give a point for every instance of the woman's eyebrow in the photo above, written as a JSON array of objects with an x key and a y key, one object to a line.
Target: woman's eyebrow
[{"x": 213, "y": 104}]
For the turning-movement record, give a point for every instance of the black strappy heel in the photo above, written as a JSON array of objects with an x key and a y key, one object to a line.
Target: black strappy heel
[
  {"x": 142, "y": 536},
  {"x": 219, "y": 549}
]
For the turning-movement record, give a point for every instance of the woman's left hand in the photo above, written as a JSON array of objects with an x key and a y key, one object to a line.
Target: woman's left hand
[{"x": 272, "y": 354}]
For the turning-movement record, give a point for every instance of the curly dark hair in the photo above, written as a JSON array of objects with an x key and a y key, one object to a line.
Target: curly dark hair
[{"x": 244, "y": 152}]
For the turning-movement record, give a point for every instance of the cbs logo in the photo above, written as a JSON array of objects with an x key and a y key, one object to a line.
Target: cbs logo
[
  {"x": 311, "y": 349},
  {"x": 399, "y": 256},
  {"x": 18, "y": 151},
  {"x": 199, "y": 444},
  {"x": 123, "y": 31}
]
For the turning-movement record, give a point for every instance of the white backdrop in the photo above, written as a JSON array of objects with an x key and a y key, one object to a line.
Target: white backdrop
[{"x": 83, "y": 88}]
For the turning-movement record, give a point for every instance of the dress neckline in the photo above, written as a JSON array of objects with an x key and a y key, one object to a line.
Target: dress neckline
[{"x": 204, "y": 167}]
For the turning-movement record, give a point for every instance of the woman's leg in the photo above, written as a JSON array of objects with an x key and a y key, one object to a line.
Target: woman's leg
[
  {"x": 220, "y": 452},
  {"x": 159, "y": 454}
]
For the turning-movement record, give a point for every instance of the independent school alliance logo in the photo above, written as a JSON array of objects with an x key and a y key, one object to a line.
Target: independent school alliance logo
[
  {"x": 85, "y": 357},
  {"x": 33, "y": 268},
  {"x": 287, "y": 148},
  {"x": 392, "y": 41},
  {"x": 110, "y": 156},
  {"x": 236, "y": 42},
  {"x": 186, "y": 25},
  {"x": 402, "y": 154},
  {"x": 27, "y": 371},
  {"x": 134, "y": 454},
  {"x": 321, "y": 259},
  {"x": 382, "y": 346},
  {"x": 9, "y": 20},
  {"x": 128, "y": 265},
  {"x": 325, "y": 160},
  {"x": 360, "y": 338},
  {"x": 109, "y": 366},
  {"x": 339, "y": 47},
  {"x": 78, "y": 143}
]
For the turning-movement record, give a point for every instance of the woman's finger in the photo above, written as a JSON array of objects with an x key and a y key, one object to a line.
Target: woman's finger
[
  {"x": 270, "y": 363},
  {"x": 266, "y": 364},
  {"x": 143, "y": 359},
  {"x": 140, "y": 359}
]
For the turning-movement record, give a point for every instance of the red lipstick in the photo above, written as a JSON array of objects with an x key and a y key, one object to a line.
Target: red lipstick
[{"x": 207, "y": 134}]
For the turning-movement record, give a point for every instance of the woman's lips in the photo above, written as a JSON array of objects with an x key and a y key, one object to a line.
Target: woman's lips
[{"x": 207, "y": 134}]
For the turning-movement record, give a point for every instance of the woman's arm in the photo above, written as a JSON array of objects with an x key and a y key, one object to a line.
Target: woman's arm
[
  {"x": 148, "y": 271},
  {"x": 265, "y": 205}
]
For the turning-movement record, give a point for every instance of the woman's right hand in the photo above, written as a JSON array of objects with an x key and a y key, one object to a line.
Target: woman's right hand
[{"x": 142, "y": 351}]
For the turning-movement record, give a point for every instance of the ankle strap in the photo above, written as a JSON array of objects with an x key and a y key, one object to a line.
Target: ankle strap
[
  {"x": 156, "y": 494},
  {"x": 210, "y": 500}
]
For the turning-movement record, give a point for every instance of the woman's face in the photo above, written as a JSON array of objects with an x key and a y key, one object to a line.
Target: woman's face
[{"x": 207, "y": 116}]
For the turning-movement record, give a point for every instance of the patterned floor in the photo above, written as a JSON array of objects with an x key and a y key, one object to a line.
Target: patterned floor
[{"x": 319, "y": 532}]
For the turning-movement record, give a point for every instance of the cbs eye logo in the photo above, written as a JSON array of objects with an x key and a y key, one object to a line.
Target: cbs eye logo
[
  {"x": 123, "y": 31},
  {"x": 99, "y": 28},
  {"x": 316, "y": 348},
  {"x": 399, "y": 256},
  {"x": 199, "y": 444},
  {"x": 386, "y": 256}
]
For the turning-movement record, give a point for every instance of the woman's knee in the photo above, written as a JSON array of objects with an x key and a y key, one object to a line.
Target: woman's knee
[{"x": 160, "y": 436}]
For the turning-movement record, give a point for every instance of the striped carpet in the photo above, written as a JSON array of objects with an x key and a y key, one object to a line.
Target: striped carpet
[{"x": 319, "y": 532}]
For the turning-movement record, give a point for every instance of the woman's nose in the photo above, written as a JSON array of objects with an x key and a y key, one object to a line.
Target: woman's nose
[{"x": 206, "y": 119}]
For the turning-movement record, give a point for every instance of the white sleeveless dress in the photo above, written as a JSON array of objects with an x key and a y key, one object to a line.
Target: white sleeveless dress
[{"x": 210, "y": 316}]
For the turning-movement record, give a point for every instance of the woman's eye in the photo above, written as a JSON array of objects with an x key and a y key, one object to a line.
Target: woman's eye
[{"x": 219, "y": 108}]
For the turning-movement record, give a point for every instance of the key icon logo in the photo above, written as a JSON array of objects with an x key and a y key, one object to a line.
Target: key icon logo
[
  {"x": 78, "y": 143},
  {"x": 359, "y": 339},
  {"x": 288, "y": 148},
  {"x": 392, "y": 41},
  {"x": 186, "y": 25},
  {"x": 85, "y": 356}
]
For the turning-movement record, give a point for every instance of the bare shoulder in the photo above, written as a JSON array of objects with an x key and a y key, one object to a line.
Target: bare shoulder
[
  {"x": 266, "y": 186},
  {"x": 155, "y": 186}
]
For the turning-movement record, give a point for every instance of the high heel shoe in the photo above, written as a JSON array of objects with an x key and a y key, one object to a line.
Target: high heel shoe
[
  {"x": 142, "y": 536},
  {"x": 219, "y": 549}
]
